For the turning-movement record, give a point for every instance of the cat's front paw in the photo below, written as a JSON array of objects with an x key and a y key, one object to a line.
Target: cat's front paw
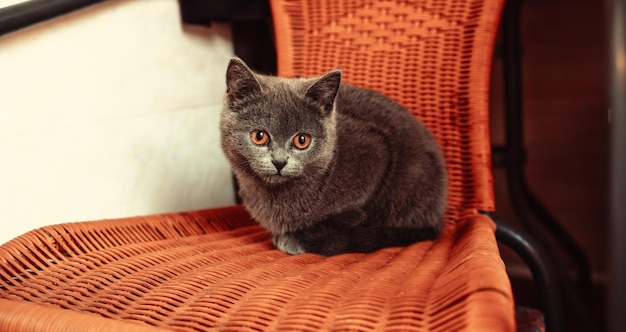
[{"x": 288, "y": 244}]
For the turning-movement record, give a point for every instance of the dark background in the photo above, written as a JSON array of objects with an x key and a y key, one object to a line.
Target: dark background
[
  {"x": 564, "y": 68},
  {"x": 565, "y": 97}
]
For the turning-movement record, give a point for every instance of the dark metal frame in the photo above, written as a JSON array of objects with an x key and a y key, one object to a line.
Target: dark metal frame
[
  {"x": 542, "y": 268},
  {"x": 548, "y": 233},
  {"x": 532, "y": 212}
]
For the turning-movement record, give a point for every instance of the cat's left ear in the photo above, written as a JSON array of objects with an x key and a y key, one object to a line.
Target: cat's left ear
[{"x": 324, "y": 90}]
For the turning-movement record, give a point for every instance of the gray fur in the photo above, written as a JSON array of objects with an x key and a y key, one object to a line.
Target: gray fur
[{"x": 372, "y": 176}]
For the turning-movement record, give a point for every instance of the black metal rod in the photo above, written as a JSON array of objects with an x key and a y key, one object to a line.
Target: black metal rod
[
  {"x": 616, "y": 290},
  {"x": 542, "y": 269},
  {"x": 28, "y": 13},
  {"x": 534, "y": 216}
]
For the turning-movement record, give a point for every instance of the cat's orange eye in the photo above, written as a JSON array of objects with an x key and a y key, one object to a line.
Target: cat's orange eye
[
  {"x": 301, "y": 141},
  {"x": 259, "y": 137}
]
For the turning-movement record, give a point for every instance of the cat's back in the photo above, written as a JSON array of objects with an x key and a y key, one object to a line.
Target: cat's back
[
  {"x": 362, "y": 103},
  {"x": 394, "y": 153},
  {"x": 362, "y": 107}
]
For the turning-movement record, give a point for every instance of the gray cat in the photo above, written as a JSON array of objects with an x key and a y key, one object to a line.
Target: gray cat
[{"x": 328, "y": 167}]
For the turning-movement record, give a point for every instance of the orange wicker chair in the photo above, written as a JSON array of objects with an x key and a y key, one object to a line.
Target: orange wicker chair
[{"x": 216, "y": 270}]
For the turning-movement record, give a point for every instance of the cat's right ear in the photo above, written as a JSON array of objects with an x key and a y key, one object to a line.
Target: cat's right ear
[{"x": 241, "y": 83}]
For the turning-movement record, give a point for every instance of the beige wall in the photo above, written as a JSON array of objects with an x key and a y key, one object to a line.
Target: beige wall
[
  {"x": 108, "y": 112},
  {"x": 7, "y": 3}
]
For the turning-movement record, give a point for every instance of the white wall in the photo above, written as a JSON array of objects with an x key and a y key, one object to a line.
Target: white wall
[
  {"x": 7, "y": 3},
  {"x": 108, "y": 112}
]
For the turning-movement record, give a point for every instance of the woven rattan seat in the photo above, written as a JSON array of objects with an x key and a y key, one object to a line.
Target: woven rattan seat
[{"x": 216, "y": 270}]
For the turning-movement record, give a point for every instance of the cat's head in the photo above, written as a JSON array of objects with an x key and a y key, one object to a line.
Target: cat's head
[{"x": 278, "y": 129}]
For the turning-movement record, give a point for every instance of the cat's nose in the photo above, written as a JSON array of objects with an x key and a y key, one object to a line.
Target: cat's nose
[{"x": 279, "y": 164}]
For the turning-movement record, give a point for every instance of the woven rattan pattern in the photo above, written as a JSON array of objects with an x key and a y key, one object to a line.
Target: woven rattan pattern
[
  {"x": 190, "y": 272},
  {"x": 432, "y": 56},
  {"x": 216, "y": 270}
]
